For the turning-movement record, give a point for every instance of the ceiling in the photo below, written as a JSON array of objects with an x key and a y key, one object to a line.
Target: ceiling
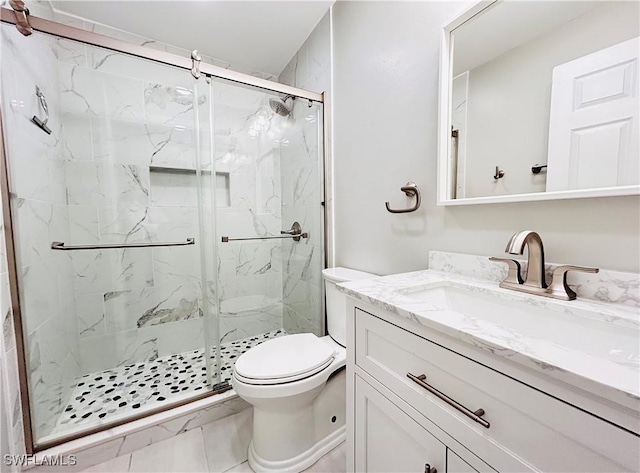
[{"x": 261, "y": 35}]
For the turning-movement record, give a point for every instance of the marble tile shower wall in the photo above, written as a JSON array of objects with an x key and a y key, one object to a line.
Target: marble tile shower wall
[
  {"x": 309, "y": 69},
  {"x": 11, "y": 426},
  {"x": 123, "y": 137},
  {"x": 38, "y": 185},
  {"x": 249, "y": 272}
]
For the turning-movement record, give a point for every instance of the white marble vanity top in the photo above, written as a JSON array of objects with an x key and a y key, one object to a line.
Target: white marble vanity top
[{"x": 590, "y": 344}]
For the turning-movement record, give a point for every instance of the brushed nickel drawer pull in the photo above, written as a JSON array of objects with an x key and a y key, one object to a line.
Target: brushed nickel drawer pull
[{"x": 475, "y": 415}]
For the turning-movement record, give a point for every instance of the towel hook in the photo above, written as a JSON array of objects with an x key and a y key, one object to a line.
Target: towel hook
[
  {"x": 42, "y": 124},
  {"x": 411, "y": 190}
]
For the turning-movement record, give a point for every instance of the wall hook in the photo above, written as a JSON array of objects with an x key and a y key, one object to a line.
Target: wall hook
[
  {"x": 411, "y": 190},
  {"x": 42, "y": 124},
  {"x": 499, "y": 173},
  {"x": 537, "y": 168}
]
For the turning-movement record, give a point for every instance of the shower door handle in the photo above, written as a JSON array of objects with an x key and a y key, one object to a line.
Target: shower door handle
[
  {"x": 295, "y": 233},
  {"x": 59, "y": 245}
]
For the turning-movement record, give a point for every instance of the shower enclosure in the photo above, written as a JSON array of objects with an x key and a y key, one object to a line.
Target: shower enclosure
[{"x": 153, "y": 227}]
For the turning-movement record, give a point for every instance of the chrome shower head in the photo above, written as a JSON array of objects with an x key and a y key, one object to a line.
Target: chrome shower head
[{"x": 279, "y": 106}]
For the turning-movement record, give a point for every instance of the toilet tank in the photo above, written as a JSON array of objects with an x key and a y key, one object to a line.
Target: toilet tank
[{"x": 337, "y": 301}]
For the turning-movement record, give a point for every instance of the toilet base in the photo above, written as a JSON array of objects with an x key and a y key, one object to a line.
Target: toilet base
[
  {"x": 300, "y": 462},
  {"x": 292, "y": 433}
]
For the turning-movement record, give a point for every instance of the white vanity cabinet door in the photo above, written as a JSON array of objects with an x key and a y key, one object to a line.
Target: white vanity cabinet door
[
  {"x": 455, "y": 464},
  {"x": 389, "y": 440},
  {"x": 529, "y": 430}
]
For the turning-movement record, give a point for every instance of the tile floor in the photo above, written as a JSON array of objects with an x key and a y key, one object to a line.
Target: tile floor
[
  {"x": 217, "y": 447},
  {"x": 109, "y": 395}
]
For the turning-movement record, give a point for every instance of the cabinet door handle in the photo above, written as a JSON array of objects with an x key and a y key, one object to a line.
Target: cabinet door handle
[
  {"x": 429, "y": 469},
  {"x": 474, "y": 415}
]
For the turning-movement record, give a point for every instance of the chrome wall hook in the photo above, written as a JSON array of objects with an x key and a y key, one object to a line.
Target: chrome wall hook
[
  {"x": 195, "y": 66},
  {"x": 411, "y": 190},
  {"x": 499, "y": 173},
  {"x": 42, "y": 124}
]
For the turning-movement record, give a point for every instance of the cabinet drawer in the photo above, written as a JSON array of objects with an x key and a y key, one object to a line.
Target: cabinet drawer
[
  {"x": 455, "y": 464},
  {"x": 388, "y": 440},
  {"x": 524, "y": 424}
]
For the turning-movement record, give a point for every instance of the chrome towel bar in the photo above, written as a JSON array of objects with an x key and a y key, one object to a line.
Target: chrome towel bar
[
  {"x": 411, "y": 189},
  {"x": 59, "y": 245},
  {"x": 295, "y": 233}
]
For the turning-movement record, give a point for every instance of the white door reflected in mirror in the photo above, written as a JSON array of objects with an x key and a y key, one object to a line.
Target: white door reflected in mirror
[
  {"x": 545, "y": 91},
  {"x": 593, "y": 127}
]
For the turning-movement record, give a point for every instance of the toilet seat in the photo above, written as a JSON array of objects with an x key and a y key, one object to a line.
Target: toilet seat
[{"x": 284, "y": 360}]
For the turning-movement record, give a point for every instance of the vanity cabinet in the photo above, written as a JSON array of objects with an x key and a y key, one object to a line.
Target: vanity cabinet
[
  {"x": 389, "y": 439},
  {"x": 417, "y": 401}
]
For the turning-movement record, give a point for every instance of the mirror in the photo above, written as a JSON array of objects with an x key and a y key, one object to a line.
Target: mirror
[{"x": 539, "y": 100}]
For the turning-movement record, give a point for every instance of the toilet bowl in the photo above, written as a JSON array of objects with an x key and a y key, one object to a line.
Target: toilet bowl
[{"x": 297, "y": 387}]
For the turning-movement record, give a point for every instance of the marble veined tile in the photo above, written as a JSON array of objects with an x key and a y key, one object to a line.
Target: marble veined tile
[
  {"x": 171, "y": 104},
  {"x": 227, "y": 440},
  {"x": 76, "y": 137},
  {"x": 184, "y": 453},
  {"x": 131, "y": 309},
  {"x": 90, "y": 311},
  {"x": 131, "y": 268},
  {"x": 117, "y": 465},
  {"x": 70, "y": 52}
]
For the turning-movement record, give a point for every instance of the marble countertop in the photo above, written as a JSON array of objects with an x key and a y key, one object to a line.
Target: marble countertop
[{"x": 601, "y": 355}]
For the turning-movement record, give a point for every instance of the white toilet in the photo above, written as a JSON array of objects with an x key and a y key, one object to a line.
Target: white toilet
[{"x": 297, "y": 387}]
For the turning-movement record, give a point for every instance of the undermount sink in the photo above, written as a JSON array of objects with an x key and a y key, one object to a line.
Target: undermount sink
[{"x": 586, "y": 329}]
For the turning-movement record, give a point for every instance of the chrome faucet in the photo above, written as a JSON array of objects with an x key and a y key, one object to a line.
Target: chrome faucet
[{"x": 535, "y": 282}]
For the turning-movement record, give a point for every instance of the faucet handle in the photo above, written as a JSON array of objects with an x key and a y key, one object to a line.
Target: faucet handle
[
  {"x": 559, "y": 287},
  {"x": 513, "y": 276}
]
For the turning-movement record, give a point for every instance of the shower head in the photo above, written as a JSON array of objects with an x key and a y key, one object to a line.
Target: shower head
[{"x": 279, "y": 106}]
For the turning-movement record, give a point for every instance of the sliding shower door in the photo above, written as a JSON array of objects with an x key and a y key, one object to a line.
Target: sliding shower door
[
  {"x": 268, "y": 163},
  {"x": 113, "y": 218}
]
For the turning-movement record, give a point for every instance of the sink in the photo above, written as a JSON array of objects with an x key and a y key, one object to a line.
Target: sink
[{"x": 586, "y": 328}]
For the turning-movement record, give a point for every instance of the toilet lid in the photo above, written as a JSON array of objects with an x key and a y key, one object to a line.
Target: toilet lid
[{"x": 285, "y": 358}]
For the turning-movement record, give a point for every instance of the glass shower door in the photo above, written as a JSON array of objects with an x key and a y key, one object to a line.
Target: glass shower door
[
  {"x": 268, "y": 163},
  {"x": 116, "y": 314}
]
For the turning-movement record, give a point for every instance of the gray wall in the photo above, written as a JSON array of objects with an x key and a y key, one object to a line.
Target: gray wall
[{"x": 386, "y": 62}]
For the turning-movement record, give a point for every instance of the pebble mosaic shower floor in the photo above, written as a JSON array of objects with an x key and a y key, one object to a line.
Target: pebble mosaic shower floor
[{"x": 103, "y": 396}]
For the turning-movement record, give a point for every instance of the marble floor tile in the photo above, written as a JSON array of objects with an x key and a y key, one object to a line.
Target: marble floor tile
[
  {"x": 333, "y": 462},
  {"x": 117, "y": 465},
  {"x": 182, "y": 453},
  {"x": 241, "y": 468},
  {"x": 189, "y": 451},
  {"x": 227, "y": 440}
]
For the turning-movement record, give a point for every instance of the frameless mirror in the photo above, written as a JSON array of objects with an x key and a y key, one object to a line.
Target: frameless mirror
[{"x": 539, "y": 100}]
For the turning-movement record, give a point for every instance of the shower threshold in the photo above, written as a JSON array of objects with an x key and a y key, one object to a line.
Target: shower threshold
[{"x": 112, "y": 395}]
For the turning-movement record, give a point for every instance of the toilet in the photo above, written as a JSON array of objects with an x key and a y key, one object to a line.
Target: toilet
[{"x": 297, "y": 387}]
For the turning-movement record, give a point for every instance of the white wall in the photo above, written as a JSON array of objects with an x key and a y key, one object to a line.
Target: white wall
[
  {"x": 385, "y": 124},
  {"x": 510, "y": 99}
]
